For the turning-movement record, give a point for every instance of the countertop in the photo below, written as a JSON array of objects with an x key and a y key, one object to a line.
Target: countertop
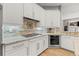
[
  {"x": 14, "y": 39},
  {"x": 18, "y": 38},
  {"x": 75, "y": 34}
]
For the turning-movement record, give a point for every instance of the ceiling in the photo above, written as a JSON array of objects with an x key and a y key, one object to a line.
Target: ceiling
[
  {"x": 56, "y": 4},
  {"x": 49, "y": 4}
]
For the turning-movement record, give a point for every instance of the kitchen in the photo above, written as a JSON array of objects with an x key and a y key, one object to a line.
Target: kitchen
[{"x": 39, "y": 29}]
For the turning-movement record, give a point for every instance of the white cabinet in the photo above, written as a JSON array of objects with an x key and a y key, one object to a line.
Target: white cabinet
[
  {"x": 42, "y": 17},
  {"x": 48, "y": 19},
  {"x": 45, "y": 42},
  {"x": 36, "y": 12},
  {"x": 35, "y": 46},
  {"x": 38, "y": 45},
  {"x": 76, "y": 45},
  {"x": 32, "y": 47},
  {"x": 67, "y": 42},
  {"x": 28, "y": 10},
  {"x": 39, "y": 14},
  {"x": 13, "y": 13},
  {"x": 52, "y": 18},
  {"x": 16, "y": 49}
]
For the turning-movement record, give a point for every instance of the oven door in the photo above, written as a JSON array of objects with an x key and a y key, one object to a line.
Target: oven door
[{"x": 54, "y": 41}]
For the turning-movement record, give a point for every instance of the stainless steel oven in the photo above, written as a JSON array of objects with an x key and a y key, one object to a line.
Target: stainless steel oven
[{"x": 54, "y": 41}]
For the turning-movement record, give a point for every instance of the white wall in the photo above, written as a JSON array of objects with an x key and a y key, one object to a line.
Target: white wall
[{"x": 70, "y": 11}]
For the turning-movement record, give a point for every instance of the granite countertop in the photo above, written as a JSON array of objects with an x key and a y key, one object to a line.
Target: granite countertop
[
  {"x": 18, "y": 38},
  {"x": 76, "y": 34},
  {"x": 14, "y": 39}
]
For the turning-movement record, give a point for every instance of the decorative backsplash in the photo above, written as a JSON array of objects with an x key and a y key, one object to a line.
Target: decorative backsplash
[{"x": 29, "y": 24}]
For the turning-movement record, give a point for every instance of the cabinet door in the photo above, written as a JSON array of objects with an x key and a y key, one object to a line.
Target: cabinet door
[
  {"x": 16, "y": 49},
  {"x": 53, "y": 18},
  {"x": 13, "y": 13},
  {"x": 76, "y": 46},
  {"x": 48, "y": 19},
  {"x": 45, "y": 42},
  {"x": 42, "y": 17},
  {"x": 33, "y": 47},
  {"x": 39, "y": 46},
  {"x": 36, "y": 11},
  {"x": 19, "y": 52},
  {"x": 67, "y": 42},
  {"x": 28, "y": 10}
]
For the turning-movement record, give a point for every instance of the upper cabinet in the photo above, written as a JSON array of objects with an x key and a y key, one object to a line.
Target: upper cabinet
[
  {"x": 39, "y": 14},
  {"x": 36, "y": 11},
  {"x": 28, "y": 10},
  {"x": 42, "y": 17},
  {"x": 13, "y": 13},
  {"x": 53, "y": 18}
]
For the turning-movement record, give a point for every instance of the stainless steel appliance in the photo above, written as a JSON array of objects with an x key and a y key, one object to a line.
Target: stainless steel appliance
[{"x": 54, "y": 41}]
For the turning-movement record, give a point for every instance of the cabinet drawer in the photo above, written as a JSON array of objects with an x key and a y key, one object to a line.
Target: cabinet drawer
[
  {"x": 17, "y": 52},
  {"x": 15, "y": 46}
]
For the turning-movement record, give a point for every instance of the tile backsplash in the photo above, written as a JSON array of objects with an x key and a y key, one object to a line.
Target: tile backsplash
[
  {"x": 10, "y": 28},
  {"x": 29, "y": 24}
]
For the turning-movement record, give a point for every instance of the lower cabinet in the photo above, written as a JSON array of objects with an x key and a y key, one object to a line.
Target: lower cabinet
[
  {"x": 16, "y": 49},
  {"x": 32, "y": 47},
  {"x": 67, "y": 42},
  {"x": 45, "y": 42},
  {"x": 38, "y": 45},
  {"x": 76, "y": 45}
]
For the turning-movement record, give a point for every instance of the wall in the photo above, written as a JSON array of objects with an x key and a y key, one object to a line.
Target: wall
[{"x": 70, "y": 11}]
